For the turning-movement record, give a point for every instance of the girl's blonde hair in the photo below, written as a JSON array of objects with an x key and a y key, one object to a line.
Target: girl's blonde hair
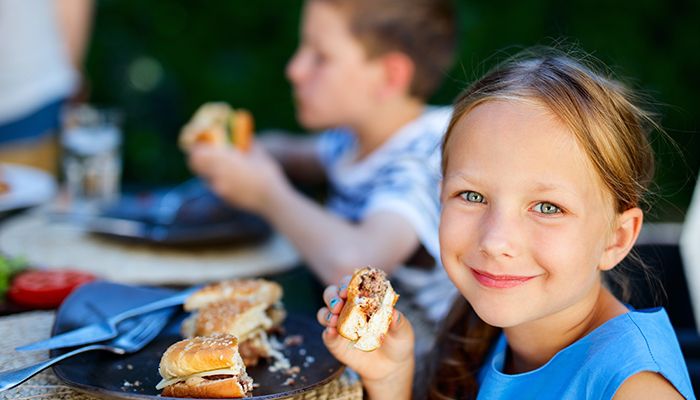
[
  {"x": 612, "y": 129},
  {"x": 603, "y": 115}
]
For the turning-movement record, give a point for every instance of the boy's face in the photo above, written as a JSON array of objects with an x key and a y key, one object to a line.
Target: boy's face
[
  {"x": 525, "y": 219},
  {"x": 334, "y": 83}
]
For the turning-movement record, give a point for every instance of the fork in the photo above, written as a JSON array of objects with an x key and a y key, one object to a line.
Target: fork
[
  {"x": 108, "y": 328},
  {"x": 173, "y": 200},
  {"x": 141, "y": 332}
]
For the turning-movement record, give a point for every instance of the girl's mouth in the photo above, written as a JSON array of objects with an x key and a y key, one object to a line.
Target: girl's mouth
[{"x": 499, "y": 281}]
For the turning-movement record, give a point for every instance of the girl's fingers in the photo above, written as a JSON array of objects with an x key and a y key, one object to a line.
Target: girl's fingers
[
  {"x": 401, "y": 333},
  {"x": 332, "y": 299},
  {"x": 326, "y": 318},
  {"x": 322, "y": 316},
  {"x": 337, "y": 345},
  {"x": 397, "y": 318},
  {"x": 343, "y": 289}
]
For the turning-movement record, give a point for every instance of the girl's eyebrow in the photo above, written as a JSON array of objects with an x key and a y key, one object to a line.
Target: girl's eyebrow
[
  {"x": 461, "y": 176},
  {"x": 541, "y": 187},
  {"x": 536, "y": 187}
]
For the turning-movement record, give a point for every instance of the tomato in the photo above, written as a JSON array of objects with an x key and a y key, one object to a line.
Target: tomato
[{"x": 46, "y": 288}]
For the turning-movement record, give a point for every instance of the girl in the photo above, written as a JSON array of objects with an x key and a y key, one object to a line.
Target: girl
[{"x": 544, "y": 167}]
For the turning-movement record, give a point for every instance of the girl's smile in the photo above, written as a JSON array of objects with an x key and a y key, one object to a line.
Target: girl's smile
[{"x": 499, "y": 281}]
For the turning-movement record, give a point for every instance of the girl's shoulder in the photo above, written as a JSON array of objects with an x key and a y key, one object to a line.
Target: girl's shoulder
[
  {"x": 601, "y": 361},
  {"x": 647, "y": 385},
  {"x": 638, "y": 341}
]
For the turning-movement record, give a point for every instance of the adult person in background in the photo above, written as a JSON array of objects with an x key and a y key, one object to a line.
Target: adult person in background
[
  {"x": 42, "y": 46},
  {"x": 690, "y": 249}
]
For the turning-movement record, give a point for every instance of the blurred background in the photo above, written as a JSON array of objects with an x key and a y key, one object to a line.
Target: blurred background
[{"x": 159, "y": 60}]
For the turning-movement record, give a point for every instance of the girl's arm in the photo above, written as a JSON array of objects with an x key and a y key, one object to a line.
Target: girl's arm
[
  {"x": 647, "y": 385},
  {"x": 387, "y": 372}
]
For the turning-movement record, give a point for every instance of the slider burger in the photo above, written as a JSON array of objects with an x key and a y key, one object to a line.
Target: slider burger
[
  {"x": 219, "y": 125},
  {"x": 366, "y": 316},
  {"x": 204, "y": 367},
  {"x": 250, "y": 290},
  {"x": 246, "y": 308}
]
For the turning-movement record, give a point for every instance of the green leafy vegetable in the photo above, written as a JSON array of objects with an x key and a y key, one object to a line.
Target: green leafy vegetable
[{"x": 8, "y": 268}]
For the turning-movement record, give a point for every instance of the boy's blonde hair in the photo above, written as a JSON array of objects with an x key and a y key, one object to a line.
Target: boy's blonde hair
[
  {"x": 424, "y": 30},
  {"x": 611, "y": 128}
]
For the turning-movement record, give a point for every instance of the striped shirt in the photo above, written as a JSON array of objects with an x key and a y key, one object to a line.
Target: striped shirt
[{"x": 401, "y": 176}]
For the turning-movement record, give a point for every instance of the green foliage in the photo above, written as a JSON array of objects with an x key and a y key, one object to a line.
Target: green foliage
[
  {"x": 159, "y": 60},
  {"x": 8, "y": 268}
]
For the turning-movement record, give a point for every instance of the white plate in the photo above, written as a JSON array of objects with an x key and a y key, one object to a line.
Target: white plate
[
  {"x": 27, "y": 187},
  {"x": 56, "y": 244}
]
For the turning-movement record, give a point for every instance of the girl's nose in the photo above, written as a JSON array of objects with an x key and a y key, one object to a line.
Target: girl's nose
[{"x": 499, "y": 235}]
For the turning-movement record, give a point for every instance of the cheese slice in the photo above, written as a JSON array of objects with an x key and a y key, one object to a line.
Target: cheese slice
[{"x": 226, "y": 371}]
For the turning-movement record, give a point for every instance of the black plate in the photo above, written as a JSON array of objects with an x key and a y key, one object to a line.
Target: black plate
[
  {"x": 135, "y": 376},
  {"x": 197, "y": 217}
]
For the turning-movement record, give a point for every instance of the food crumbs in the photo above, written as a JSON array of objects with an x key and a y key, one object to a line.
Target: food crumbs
[{"x": 289, "y": 382}]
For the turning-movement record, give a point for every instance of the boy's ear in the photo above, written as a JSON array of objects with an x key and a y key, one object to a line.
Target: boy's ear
[
  {"x": 398, "y": 73},
  {"x": 627, "y": 228}
]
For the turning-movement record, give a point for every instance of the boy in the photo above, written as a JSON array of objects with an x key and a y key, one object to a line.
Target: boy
[{"x": 362, "y": 73}]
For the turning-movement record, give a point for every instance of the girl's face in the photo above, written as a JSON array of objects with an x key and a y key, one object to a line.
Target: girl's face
[
  {"x": 525, "y": 220},
  {"x": 333, "y": 80}
]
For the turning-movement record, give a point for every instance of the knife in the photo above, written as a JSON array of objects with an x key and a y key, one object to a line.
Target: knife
[
  {"x": 118, "y": 226},
  {"x": 106, "y": 329},
  {"x": 89, "y": 222}
]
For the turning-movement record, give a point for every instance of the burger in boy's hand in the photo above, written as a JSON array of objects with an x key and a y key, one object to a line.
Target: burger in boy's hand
[
  {"x": 218, "y": 124},
  {"x": 366, "y": 316}
]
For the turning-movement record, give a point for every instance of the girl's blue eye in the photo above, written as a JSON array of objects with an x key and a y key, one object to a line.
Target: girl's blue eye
[
  {"x": 546, "y": 208},
  {"x": 472, "y": 197}
]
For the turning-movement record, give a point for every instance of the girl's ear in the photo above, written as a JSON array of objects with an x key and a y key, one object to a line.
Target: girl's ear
[
  {"x": 398, "y": 73},
  {"x": 627, "y": 228}
]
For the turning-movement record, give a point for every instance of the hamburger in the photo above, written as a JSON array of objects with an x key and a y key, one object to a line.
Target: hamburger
[
  {"x": 249, "y": 309},
  {"x": 366, "y": 316},
  {"x": 218, "y": 124},
  {"x": 204, "y": 367}
]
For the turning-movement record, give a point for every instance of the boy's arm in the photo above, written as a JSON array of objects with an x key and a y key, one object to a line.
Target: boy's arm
[
  {"x": 332, "y": 246},
  {"x": 296, "y": 153}
]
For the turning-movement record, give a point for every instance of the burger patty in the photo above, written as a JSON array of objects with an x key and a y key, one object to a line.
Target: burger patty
[
  {"x": 372, "y": 289},
  {"x": 244, "y": 379},
  {"x": 217, "y": 377}
]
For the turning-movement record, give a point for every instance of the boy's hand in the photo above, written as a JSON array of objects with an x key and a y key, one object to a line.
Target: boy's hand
[
  {"x": 386, "y": 372},
  {"x": 244, "y": 179}
]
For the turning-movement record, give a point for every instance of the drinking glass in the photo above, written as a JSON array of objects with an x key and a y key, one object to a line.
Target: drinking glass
[{"x": 91, "y": 154}]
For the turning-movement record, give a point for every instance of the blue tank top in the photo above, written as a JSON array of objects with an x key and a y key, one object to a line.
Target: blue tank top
[{"x": 596, "y": 365}]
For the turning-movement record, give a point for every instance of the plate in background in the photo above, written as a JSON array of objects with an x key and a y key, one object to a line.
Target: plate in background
[
  {"x": 187, "y": 215},
  {"x": 27, "y": 187}
]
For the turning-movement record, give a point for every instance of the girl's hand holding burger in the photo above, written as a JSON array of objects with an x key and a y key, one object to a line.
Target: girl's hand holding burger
[{"x": 386, "y": 372}]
